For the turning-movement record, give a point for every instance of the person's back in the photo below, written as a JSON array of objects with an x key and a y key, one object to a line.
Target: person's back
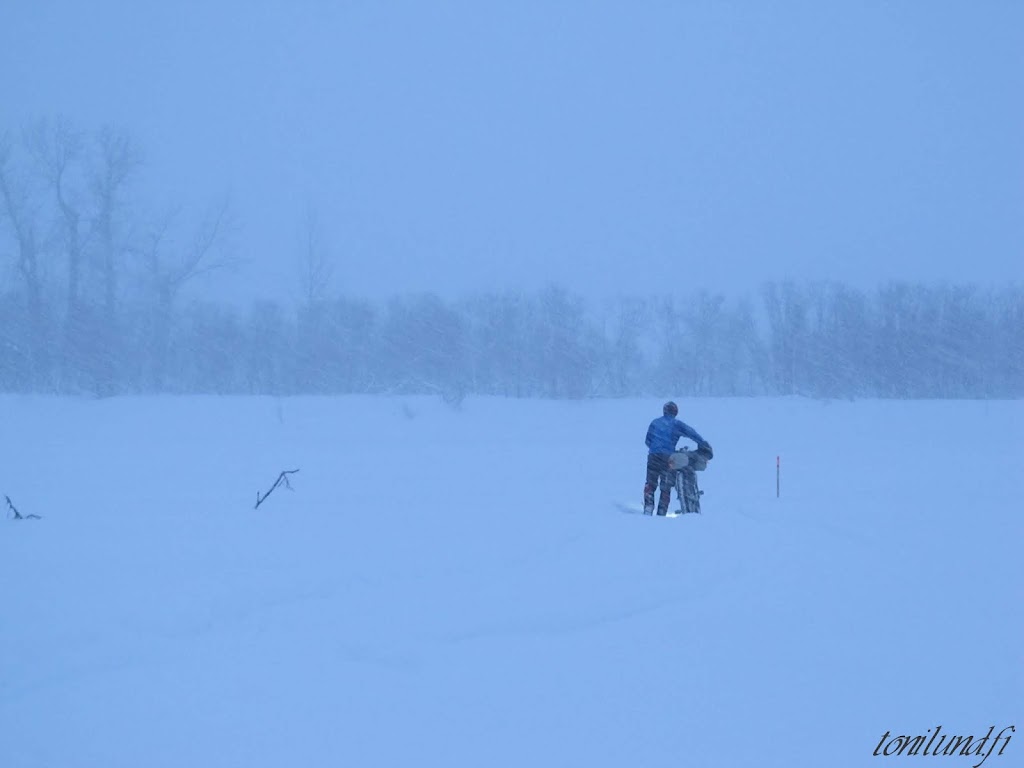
[
  {"x": 662, "y": 436},
  {"x": 665, "y": 431}
]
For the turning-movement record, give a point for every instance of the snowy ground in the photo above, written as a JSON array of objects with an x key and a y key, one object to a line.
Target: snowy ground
[{"x": 457, "y": 588}]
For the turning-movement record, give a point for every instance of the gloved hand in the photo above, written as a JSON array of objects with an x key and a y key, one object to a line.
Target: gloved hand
[{"x": 706, "y": 448}]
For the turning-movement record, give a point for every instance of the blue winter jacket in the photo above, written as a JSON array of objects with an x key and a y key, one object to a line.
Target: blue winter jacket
[{"x": 664, "y": 433}]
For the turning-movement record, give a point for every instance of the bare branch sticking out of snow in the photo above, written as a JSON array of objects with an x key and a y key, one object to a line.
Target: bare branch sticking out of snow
[
  {"x": 282, "y": 478},
  {"x": 17, "y": 514}
]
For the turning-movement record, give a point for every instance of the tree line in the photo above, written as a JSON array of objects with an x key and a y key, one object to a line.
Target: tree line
[{"x": 94, "y": 300}]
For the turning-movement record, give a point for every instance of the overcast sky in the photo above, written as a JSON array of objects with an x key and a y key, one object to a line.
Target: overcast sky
[{"x": 634, "y": 146}]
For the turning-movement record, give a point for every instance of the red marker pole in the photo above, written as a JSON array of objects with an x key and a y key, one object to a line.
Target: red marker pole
[{"x": 776, "y": 477}]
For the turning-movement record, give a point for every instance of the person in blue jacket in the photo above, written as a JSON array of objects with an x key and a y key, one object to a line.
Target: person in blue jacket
[{"x": 662, "y": 436}]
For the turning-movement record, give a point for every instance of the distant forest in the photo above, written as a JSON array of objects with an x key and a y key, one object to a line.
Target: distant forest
[{"x": 94, "y": 300}]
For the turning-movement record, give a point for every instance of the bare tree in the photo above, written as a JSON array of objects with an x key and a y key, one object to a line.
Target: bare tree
[
  {"x": 57, "y": 148},
  {"x": 118, "y": 158},
  {"x": 316, "y": 345},
  {"x": 629, "y": 321},
  {"x": 59, "y": 154},
  {"x": 21, "y": 212},
  {"x": 205, "y": 251},
  {"x": 315, "y": 266}
]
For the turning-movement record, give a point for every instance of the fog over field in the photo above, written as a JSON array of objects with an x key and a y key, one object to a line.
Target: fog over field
[{"x": 449, "y": 260}]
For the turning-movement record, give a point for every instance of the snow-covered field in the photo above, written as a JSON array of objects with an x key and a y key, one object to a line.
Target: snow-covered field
[{"x": 457, "y": 588}]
